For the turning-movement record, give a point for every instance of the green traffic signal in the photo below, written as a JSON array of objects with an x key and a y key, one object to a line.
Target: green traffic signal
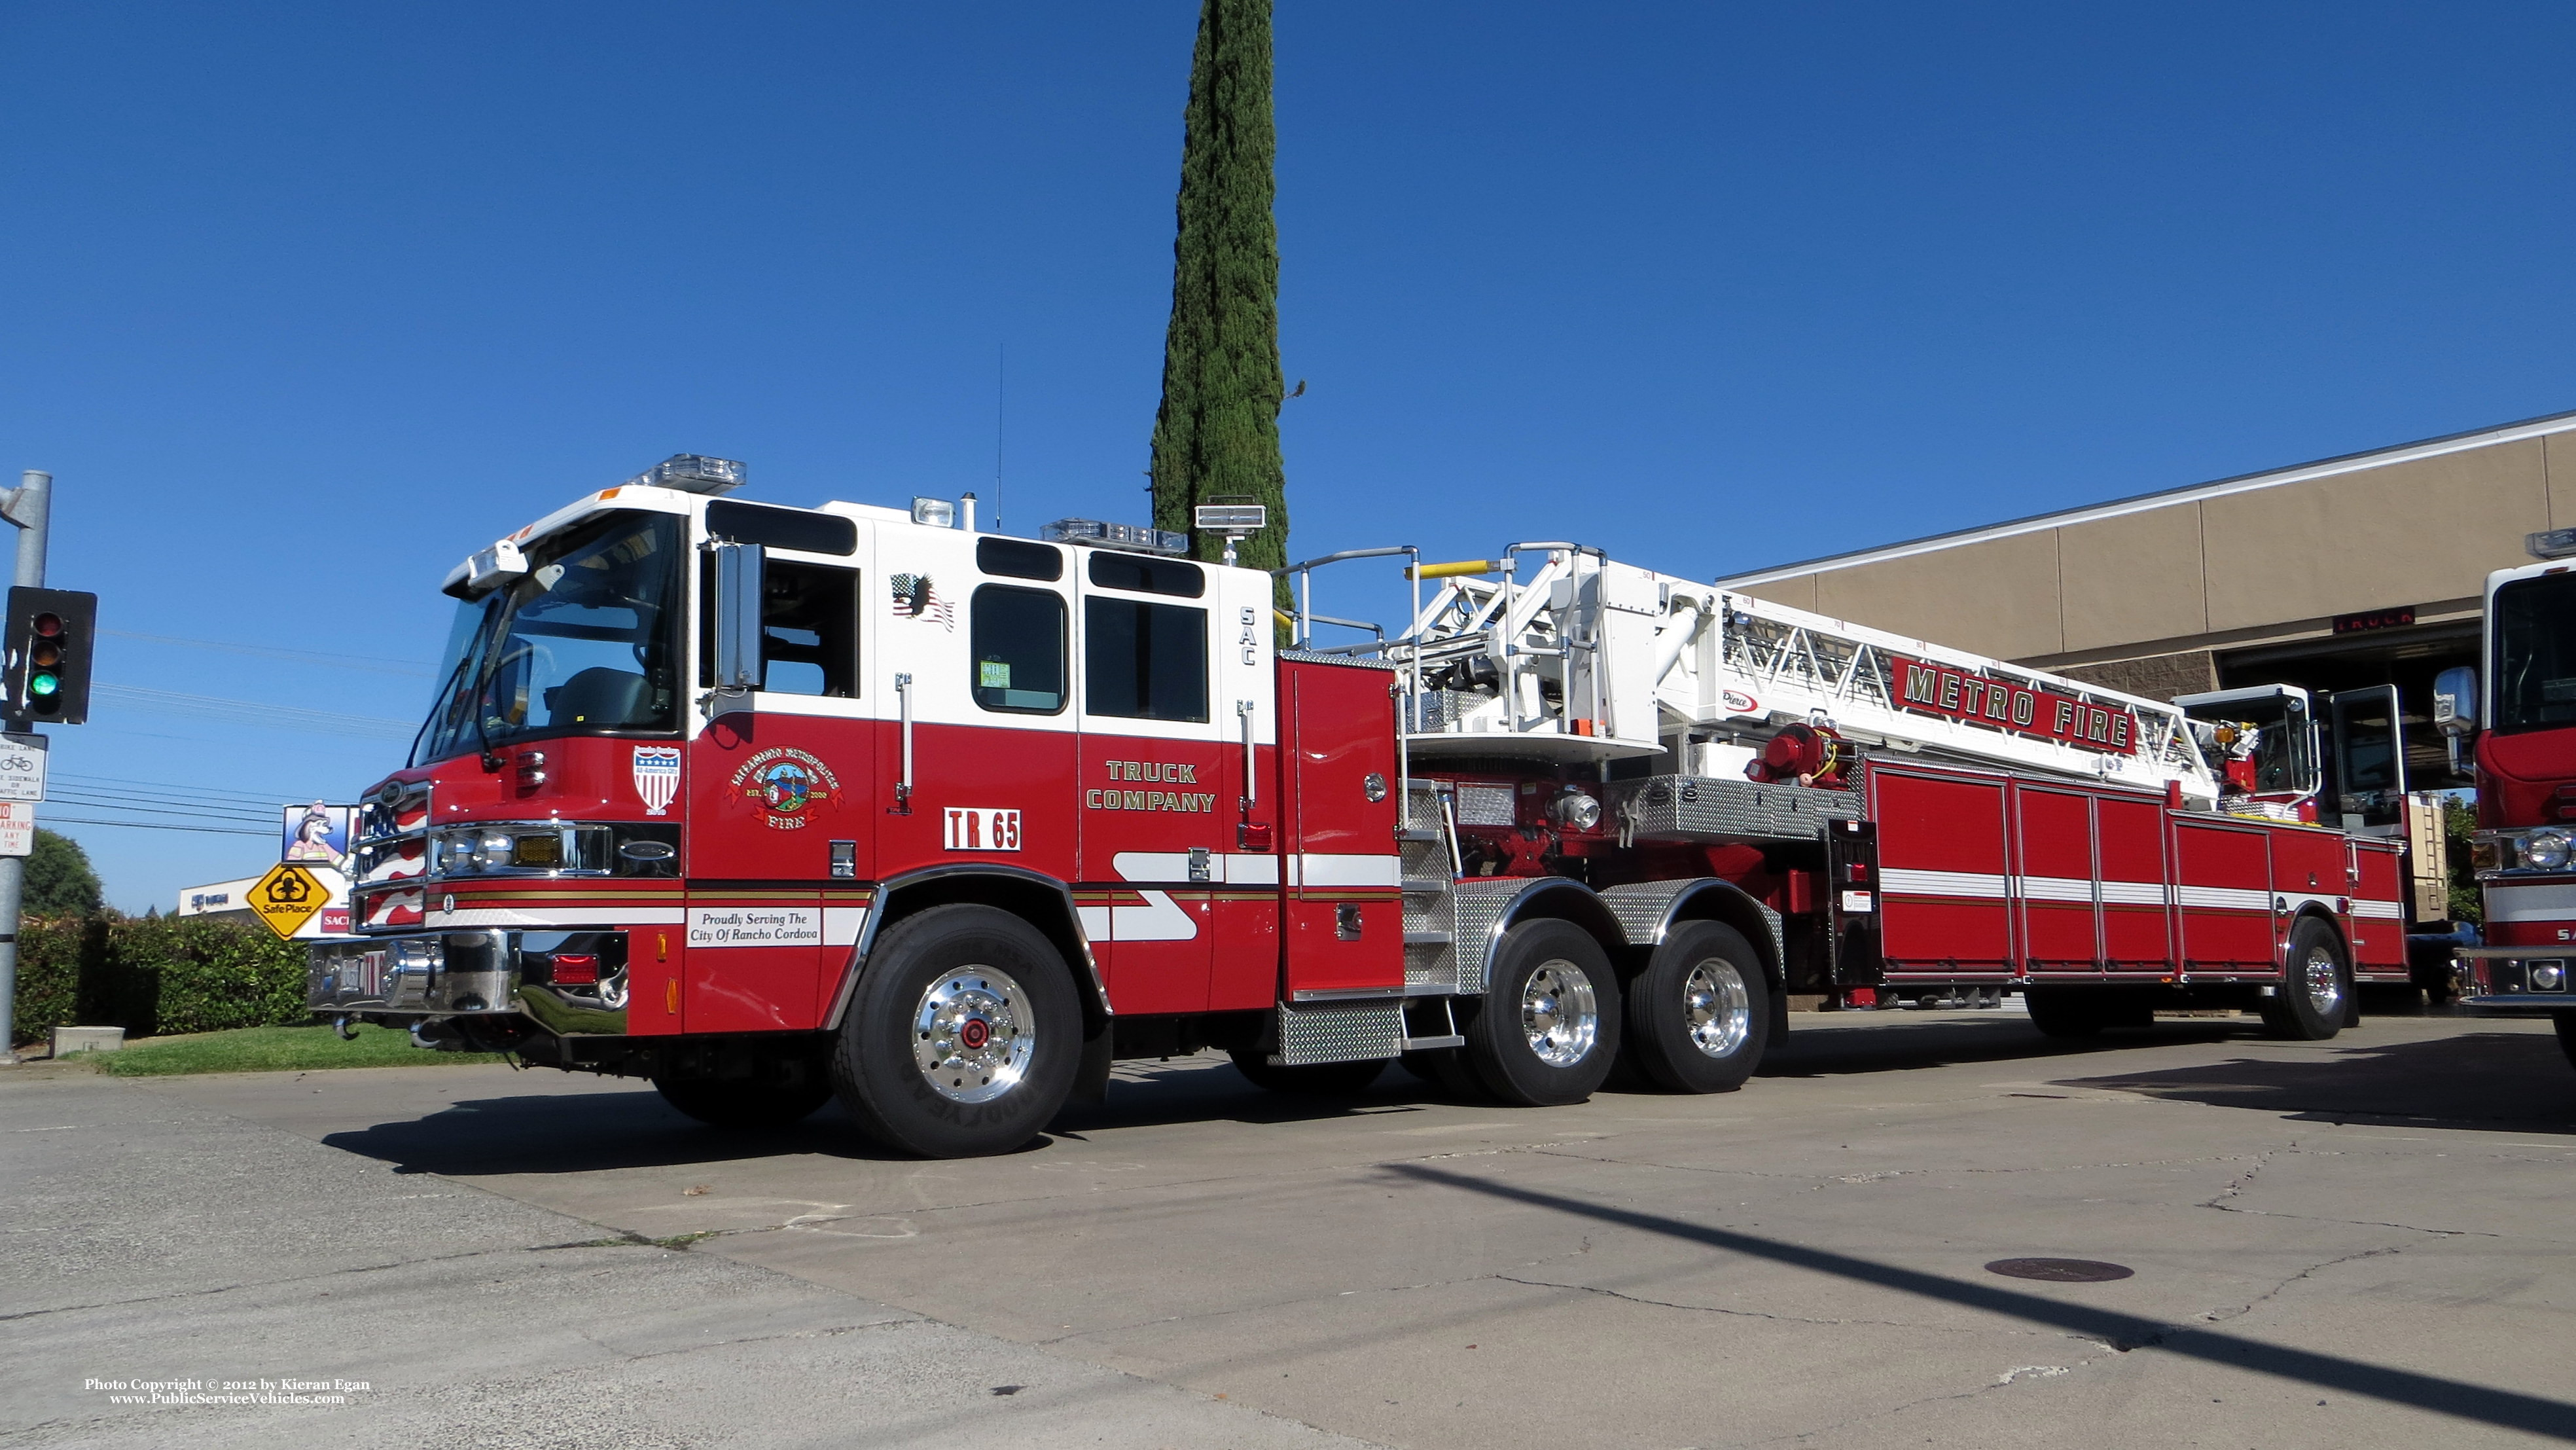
[{"x": 43, "y": 685}]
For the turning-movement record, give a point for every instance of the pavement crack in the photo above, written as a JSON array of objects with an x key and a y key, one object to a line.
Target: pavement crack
[
  {"x": 1705, "y": 1308},
  {"x": 2221, "y": 1316}
]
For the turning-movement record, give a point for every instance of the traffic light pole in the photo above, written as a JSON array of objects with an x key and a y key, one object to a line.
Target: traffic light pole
[{"x": 28, "y": 506}]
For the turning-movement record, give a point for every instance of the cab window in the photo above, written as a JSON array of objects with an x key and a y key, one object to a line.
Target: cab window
[
  {"x": 1018, "y": 643},
  {"x": 1144, "y": 661},
  {"x": 809, "y": 630}
]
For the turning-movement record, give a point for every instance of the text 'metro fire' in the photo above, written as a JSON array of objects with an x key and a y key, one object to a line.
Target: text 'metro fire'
[{"x": 2001, "y": 703}]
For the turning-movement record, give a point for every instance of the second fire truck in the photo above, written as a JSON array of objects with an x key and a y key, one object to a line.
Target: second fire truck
[{"x": 770, "y": 805}]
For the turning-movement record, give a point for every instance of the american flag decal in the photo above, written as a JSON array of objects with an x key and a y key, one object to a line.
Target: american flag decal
[
  {"x": 657, "y": 776},
  {"x": 915, "y": 599}
]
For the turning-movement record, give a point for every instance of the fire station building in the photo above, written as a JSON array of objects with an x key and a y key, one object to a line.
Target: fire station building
[{"x": 2346, "y": 573}]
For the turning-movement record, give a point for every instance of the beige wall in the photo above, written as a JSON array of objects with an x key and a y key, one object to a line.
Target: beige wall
[{"x": 2273, "y": 562}]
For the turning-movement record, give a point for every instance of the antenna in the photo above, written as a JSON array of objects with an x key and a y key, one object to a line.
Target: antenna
[{"x": 1001, "y": 357}]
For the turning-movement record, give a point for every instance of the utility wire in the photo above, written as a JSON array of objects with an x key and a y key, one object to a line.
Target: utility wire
[
  {"x": 252, "y": 712},
  {"x": 373, "y": 664}
]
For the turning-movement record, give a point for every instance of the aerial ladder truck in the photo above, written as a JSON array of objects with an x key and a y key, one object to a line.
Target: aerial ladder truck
[{"x": 774, "y": 805}]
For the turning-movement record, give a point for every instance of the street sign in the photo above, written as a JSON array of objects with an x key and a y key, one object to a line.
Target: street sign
[
  {"x": 17, "y": 828},
  {"x": 22, "y": 768},
  {"x": 287, "y": 897}
]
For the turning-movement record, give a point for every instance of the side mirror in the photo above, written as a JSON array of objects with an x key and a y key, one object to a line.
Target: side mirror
[
  {"x": 736, "y": 607},
  {"x": 2455, "y": 701}
]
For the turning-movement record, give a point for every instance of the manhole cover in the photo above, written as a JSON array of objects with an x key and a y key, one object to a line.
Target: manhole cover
[{"x": 2059, "y": 1271}]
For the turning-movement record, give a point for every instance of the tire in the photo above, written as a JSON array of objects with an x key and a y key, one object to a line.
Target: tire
[
  {"x": 1699, "y": 1016},
  {"x": 1548, "y": 1028},
  {"x": 963, "y": 1037},
  {"x": 771, "y": 1102},
  {"x": 2566, "y": 1022},
  {"x": 2317, "y": 990},
  {"x": 1321, "y": 1079},
  {"x": 2064, "y": 1012}
]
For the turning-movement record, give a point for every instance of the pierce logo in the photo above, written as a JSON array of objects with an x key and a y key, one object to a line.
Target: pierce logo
[
  {"x": 786, "y": 782},
  {"x": 657, "y": 777}
]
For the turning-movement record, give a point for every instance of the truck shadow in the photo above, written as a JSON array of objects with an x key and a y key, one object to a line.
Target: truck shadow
[
  {"x": 2517, "y": 1081},
  {"x": 1820, "y": 1048},
  {"x": 584, "y": 1132}
]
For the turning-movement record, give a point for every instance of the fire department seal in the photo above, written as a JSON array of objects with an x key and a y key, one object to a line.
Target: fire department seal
[{"x": 786, "y": 782}]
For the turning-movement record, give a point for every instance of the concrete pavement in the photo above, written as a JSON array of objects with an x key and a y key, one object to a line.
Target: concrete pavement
[{"x": 2358, "y": 1242}]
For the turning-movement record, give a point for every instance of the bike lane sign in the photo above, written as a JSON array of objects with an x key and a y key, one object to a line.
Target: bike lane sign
[{"x": 22, "y": 767}]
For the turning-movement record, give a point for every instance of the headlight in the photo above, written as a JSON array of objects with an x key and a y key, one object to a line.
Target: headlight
[
  {"x": 1578, "y": 810},
  {"x": 2548, "y": 976},
  {"x": 2545, "y": 850}
]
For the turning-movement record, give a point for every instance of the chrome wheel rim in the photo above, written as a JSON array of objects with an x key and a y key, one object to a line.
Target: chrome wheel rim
[
  {"x": 973, "y": 1035},
  {"x": 2323, "y": 981},
  {"x": 1560, "y": 1015},
  {"x": 1717, "y": 1010}
]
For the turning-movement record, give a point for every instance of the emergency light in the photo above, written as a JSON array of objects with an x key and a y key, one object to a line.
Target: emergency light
[
  {"x": 2550, "y": 543},
  {"x": 1138, "y": 537},
  {"x": 693, "y": 473}
]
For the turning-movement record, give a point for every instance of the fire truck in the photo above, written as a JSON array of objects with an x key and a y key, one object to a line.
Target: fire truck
[
  {"x": 2522, "y": 728},
  {"x": 774, "y": 805}
]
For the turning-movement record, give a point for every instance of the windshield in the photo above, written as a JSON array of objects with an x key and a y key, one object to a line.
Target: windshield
[
  {"x": 2261, "y": 746},
  {"x": 584, "y": 642},
  {"x": 2535, "y": 653}
]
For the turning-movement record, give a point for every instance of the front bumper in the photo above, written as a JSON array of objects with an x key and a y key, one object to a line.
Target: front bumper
[
  {"x": 473, "y": 974},
  {"x": 2505, "y": 981}
]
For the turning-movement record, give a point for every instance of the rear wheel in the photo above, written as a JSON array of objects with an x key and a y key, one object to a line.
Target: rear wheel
[
  {"x": 787, "y": 1093},
  {"x": 2309, "y": 1005},
  {"x": 1699, "y": 1016},
  {"x": 963, "y": 1037},
  {"x": 1319, "y": 1079},
  {"x": 1548, "y": 1028}
]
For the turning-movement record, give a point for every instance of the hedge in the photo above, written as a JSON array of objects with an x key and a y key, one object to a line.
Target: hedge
[{"x": 154, "y": 975}]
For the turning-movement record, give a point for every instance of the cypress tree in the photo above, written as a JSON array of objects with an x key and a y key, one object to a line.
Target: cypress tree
[{"x": 1217, "y": 432}]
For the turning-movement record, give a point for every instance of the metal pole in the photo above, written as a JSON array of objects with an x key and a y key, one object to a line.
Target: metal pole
[{"x": 28, "y": 506}]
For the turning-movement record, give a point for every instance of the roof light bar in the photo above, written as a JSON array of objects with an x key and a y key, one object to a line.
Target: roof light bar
[
  {"x": 2551, "y": 543},
  {"x": 1136, "y": 537},
  {"x": 693, "y": 473}
]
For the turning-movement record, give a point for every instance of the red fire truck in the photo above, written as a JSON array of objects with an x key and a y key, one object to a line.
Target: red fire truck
[
  {"x": 2522, "y": 727},
  {"x": 771, "y": 804}
]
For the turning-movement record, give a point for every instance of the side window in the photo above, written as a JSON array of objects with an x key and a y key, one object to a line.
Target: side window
[
  {"x": 1144, "y": 661},
  {"x": 809, "y": 630},
  {"x": 1018, "y": 639}
]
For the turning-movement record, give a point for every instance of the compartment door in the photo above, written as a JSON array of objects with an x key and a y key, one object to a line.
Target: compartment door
[
  {"x": 2060, "y": 905},
  {"x": 1344, "y": 907},
  {"x": 2224, "y": 895},
  {"x": 1943, "y": 870},
  {"x": 2129, "y": 841}
]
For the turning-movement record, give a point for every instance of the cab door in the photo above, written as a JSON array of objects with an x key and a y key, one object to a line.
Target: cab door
[
  {"x": 2369, "y": 756},
  {"x": 782, "y": 796},
  {"x": 1156, "y": 805}
]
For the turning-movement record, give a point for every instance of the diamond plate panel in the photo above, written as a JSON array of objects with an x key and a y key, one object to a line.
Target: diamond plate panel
[
  {"x": 1705, "y": 808},
  {"x": 1484, "y": 805},
  {"x": 1339, "y": 1032},
  {"x": 1642, "y": 905}
]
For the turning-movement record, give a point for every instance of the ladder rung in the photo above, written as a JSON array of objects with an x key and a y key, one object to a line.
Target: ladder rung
[
  {"x": 1407, "y": 833},
  {"x": 1428, "y": 885},
  {"x": 1427, "y": 938},
  {"x": 1418, "y": 1044}
]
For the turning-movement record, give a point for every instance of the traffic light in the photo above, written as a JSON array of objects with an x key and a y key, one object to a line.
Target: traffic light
[{"x": 50, "y": 635}]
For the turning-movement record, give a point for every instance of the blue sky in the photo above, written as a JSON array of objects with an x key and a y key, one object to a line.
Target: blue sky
[{"x": 304, "y": 303}]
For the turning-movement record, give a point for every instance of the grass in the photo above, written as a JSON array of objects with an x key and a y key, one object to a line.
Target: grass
[{"x": 272, "y": 1049}]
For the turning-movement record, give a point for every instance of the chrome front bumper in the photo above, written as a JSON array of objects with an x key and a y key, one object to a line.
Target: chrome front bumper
[
  {"x": 2498, "y": 981},
  {"x": 471, "y": 974}
]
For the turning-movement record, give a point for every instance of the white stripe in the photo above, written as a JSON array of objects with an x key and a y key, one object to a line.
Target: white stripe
[
  {"x": 2054, "y": 888},
  {"x": 2387, "y": 910},
  {"x": 556, "y": 916},
  {"x": 2223, "y": 898},
  {"x": 2135, "y": 893},
  {"x": 1159, "y": 919},
  {"x": 842, "y": 924},
  {"x": 1942, "y": 883},
  {"x": 2554, "y": 902},
  {"x": 1227, "y": 867},
  {"x": 1337, "y": 870}
]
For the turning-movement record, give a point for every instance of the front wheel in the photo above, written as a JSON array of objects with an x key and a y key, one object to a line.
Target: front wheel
[
  {"x": 1699, "y": 1016},
  {"x": 963, "y": 1037},
  {"x": 2063, "y": 1012},
  {"x": 2309, "y": 1004},
  {"x": 1548, "y": 1028},
  {"x": 2567, "y": 1036}
]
